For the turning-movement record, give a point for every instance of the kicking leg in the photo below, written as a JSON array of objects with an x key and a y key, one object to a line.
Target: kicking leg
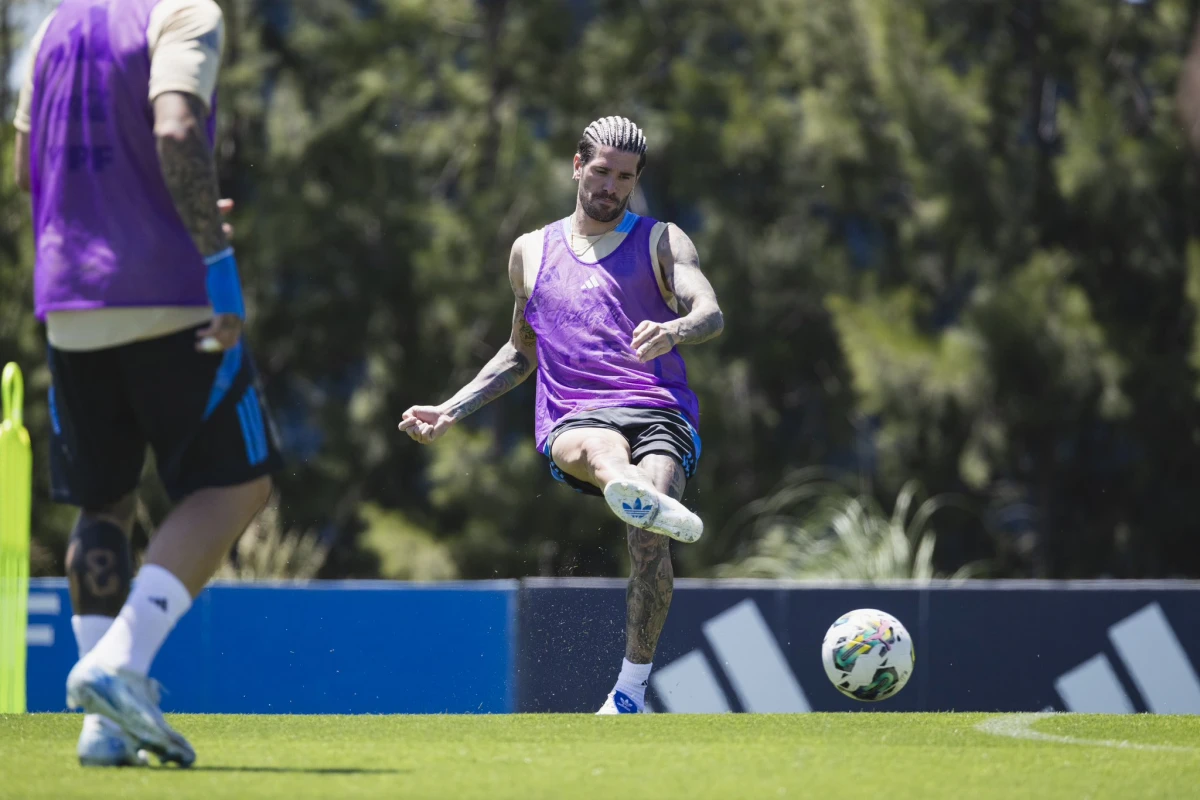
[
  {"x": 648, "y": 598},
  {"x": 598, "y": 456},
  {"x": 601, "y": 456}
]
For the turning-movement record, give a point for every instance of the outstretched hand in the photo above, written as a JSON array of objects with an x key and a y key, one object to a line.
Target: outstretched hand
[
  {"x": 653, "y": 339},
  {"x": 424, "y": 424}
]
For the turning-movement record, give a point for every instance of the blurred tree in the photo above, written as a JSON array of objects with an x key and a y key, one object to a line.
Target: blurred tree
[{"x": 950, "y": 239}]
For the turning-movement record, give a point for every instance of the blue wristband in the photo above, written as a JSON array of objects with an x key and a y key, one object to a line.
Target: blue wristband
[{"x": 224, "y": 287}]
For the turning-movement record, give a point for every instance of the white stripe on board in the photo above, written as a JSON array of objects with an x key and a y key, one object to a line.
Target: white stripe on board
[
  {"x": 47, "y": 603},
  {"x": 39, "y": 636},
  {"x": 688, "y": 686},
  {"x": 1093, "y": 688},
  {"x": 1157, "y": 662},
  {"x": 752, "y": 660}
]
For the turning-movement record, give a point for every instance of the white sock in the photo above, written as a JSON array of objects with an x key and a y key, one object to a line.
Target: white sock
[
  {"x": 88, "y": 630},
  {"x": 155, "y": 604},
  {"x": 633, "y": 681}
]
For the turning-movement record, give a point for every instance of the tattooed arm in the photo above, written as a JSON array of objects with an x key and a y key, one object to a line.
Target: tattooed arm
[
  {"x": 190, "y": 171},
  {"x": 703, "y": 320},
  {"x": 188, "y": 166},
  {"x": 515, "y": 362}
]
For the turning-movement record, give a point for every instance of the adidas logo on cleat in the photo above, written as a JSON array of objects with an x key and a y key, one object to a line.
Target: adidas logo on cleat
[
  {"x": 624, "y": 703},
  {"x": 637, "y": 510},
  {"x": 161, "y": 602}
]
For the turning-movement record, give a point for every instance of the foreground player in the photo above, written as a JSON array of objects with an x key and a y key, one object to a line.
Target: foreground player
[
  {"x": 140, "y": 293},
  {"x": 595, "y": 316}
]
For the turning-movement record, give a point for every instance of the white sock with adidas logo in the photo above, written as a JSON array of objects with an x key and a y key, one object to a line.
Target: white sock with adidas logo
[
  {"x": 633, "y": 680},
  {"x": 156, "y": 602}
]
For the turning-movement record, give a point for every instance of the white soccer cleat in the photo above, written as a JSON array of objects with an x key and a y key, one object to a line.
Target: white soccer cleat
[
  {"x": 130, "y": 701},
  {"x": 641, "y": 505},
  {"x": 619, "y": 703},
  {"x": 103, "y": 744}
]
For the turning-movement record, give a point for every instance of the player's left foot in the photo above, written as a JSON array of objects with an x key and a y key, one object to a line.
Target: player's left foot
[
  {"x": 619, "y": 703},
  {"x": 103, "y": 744},
  {"x": 641, "y": 505},
  {"x": 131, "y": 701}
]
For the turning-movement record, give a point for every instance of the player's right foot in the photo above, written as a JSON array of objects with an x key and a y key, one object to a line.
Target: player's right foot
[
  {"x": 618, "y": 703},
  {"x": 103, "y": 744},
  {"x": 641, "y": 505},
  {"x": 131, "y": 701}
]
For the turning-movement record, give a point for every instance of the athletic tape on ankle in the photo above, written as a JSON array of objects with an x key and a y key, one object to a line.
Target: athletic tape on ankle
[{"x": 224, "y": 286}]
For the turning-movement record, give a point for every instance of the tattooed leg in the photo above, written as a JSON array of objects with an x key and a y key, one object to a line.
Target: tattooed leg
[
  {"x": 99, "y": 564},
  {"x": 652, "y": 576}
]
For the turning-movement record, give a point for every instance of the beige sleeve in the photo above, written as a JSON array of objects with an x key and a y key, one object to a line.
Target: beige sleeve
[
  {"x": 22, "y": 121},
  {"x": 185, "y": 39},
  {"x": 531, "y": 255}
]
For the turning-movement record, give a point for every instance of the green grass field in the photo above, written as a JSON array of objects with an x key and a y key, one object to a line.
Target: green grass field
[{"x": 655, "y": 756}]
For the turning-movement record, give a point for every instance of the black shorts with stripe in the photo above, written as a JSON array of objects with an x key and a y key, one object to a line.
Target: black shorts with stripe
[
  {"x": 657, "y": 431},
  {"x": 202, "y": 414}
]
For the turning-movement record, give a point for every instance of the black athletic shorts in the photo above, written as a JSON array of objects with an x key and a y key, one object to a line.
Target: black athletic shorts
[
  {"x": 661, "y": 431},
  {"x": 202, "y": 413}
]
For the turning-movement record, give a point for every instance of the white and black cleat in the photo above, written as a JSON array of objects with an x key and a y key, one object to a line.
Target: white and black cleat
[
  {"x": 130, "y": 701},
  {"x": 103, "y": 744},
  {"x": 618, "y": 703},
  {"x": 641, "y": 505}
]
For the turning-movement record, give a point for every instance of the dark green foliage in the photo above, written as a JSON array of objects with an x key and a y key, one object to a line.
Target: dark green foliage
[{"x": 951, "y": 241}]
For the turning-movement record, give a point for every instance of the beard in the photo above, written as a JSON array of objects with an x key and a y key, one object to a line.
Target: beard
[{"x": 601, "y": 213}]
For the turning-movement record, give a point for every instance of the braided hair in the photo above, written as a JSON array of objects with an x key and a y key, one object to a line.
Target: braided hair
[{"x": 616, "y": 132}]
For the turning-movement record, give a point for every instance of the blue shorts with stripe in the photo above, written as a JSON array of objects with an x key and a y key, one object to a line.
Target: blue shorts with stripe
[
  {"x": 202, "y": 414},
  {"x": 649, "y": 431}
]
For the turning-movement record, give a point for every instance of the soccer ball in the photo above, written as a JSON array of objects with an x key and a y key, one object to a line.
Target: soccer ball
[{"x": 868, "y": 655}]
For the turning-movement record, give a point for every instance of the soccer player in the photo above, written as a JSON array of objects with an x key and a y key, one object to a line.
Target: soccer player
[
  {"x": 603, "y": 299},
  {"x": 140, "y": 293}
]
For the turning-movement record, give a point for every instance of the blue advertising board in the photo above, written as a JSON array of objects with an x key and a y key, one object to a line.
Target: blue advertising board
[
  {"x": 324, "y": 647},
  {"x": 548, "y": 645},
  {"x": 981, "y": 646}
]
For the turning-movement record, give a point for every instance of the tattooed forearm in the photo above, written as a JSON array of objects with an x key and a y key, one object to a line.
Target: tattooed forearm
[
  {"x": 508, "y": 368},
  {"x": 515, "y": 362},
  {"x": 703, "y": 320},
  {"x": 188, "y": 167},
  {"x": 699, "y": 325},
  {"x": 648, "y": 598}
]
